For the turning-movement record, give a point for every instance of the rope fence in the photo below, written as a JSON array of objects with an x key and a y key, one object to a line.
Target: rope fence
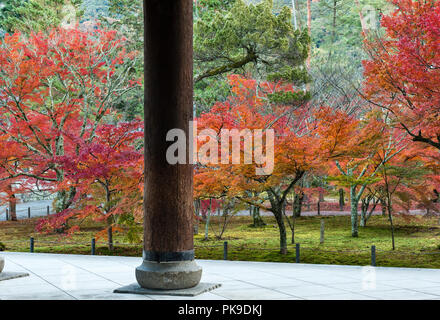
[
  {"x": 28, "y": 210},
  {"x": 227, "y": 248}
]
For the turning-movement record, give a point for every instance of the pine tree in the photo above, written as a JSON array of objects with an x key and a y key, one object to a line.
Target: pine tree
[{"x": 36, "y": 15}]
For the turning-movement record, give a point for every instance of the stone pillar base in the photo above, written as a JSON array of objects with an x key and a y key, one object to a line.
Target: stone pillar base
[
  {"x": 9, "y": 275},
  {"x": 168, "y": 275},
  {"x": 135, "y": 288},
  {"x": 12, "y": 275}
]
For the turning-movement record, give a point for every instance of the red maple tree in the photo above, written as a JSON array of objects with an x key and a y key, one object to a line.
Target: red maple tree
[
  {"x": 403, "y": 72},
  {"x": 107, "y": 175},
  {"x": 58, "y": 84}
]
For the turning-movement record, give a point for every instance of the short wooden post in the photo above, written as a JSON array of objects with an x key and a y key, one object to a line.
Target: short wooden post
[
  {"x": 29, "y": 212},
  {"x": 48, "y": 210},
  {"x": 7, "y": 214},
  {"x": 297, "y": 252},
  {"x": 93, "y": 246},
  {"x": 225, "y": 250},
  {"x": 373, "y": 256},
  {"x": 321, "y": 240},
  {"x": 32, "y": 245}
]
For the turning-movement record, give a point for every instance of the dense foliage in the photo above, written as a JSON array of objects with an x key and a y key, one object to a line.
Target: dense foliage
[{"x": 349, "y": 90}]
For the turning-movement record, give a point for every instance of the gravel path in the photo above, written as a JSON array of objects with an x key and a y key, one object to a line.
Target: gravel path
[
  {"x": 39, "y": 209},
  {"x": 324, "y": 213}
]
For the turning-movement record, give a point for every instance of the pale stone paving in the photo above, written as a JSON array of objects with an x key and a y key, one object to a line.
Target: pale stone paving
[{"x": 66, "y": 277}]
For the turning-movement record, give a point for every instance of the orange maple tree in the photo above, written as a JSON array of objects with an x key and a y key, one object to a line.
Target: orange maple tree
[
  {"x": 354, "y": 151},
  {"x": 249, "y": 109}
]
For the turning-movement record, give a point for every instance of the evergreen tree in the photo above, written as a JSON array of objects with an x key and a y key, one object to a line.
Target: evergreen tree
[
  {"x": 36, "y": 15},
  {"x": 95, "y": 9},
  {"x": 253, "y": 39},
  {"x": 337, "y": 49}
]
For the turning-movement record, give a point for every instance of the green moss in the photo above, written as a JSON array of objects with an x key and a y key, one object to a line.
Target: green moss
[{"x": 417, "y": 241}]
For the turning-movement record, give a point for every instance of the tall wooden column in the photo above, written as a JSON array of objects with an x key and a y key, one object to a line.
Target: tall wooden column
[{"x": 168, "y": 199}]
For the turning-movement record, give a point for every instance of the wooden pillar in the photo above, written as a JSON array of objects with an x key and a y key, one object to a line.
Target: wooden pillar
[{"x": 168, "y": 197}]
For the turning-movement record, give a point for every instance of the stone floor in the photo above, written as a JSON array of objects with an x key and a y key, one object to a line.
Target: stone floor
[{"x": 95, "y": 277}]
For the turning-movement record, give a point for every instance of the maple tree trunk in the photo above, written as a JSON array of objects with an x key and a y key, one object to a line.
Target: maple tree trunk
[
  {"x": 341, "y": 199},
  {"x": 196, "y": 227},
  {"x": 364, "y": 209},
  {"x": 392, "y": 228},
  {"x": 371, "y": 211},
  {"x": 291, "y": 224},
  {"x": 292, "y": 229},
  {"x": 12, "y": 205},
  {"x": 383, "y": 206},
  {"x": 278, "y": 213},
  {"x": 362, "y": 222},
  {"x": 64, "y": 199},
  {"x": 197, "y": 214},
  {"x": 283, "y": 235},
  {"x": 390, "y": 218},
  {"x": 208, "y": 218},
  {"x": 109, "y": 227},
  {"x": 354, "y": 212},
  {"x": 354, "y": 220},
  {"x": 222, "y": 223},
  {"x": 307, "y": 202},
  {"x": 110, "y": 238},
  {"x": 168, "y": 201},
  {"x": 292, "y": 240},
  {"x": 297, "y": 204},
  {"x": 256, "y": 217},
  {"x": 13, "y": 208},
  {"x": 321, "y": 196}
]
